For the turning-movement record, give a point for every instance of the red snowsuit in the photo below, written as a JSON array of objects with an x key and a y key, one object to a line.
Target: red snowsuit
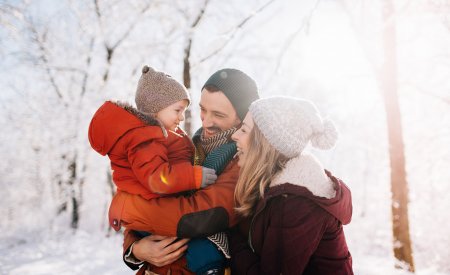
[{"x": 145, "y": 159}]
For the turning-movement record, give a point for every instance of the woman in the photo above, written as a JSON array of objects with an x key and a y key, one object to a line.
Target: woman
[{"x": 292, "y": 209}]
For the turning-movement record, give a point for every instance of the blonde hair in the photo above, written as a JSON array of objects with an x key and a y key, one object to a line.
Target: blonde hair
[{"x": 263, "y": 161}]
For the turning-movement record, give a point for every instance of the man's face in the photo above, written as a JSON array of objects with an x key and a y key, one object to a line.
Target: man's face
[{"x": 217, "y": 113}]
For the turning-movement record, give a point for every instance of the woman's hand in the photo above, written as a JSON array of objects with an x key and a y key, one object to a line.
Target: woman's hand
[{"x": 159, "y": 250}]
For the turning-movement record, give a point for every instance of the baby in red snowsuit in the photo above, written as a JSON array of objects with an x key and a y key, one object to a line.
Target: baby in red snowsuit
[{"x": 150, "y": 155}]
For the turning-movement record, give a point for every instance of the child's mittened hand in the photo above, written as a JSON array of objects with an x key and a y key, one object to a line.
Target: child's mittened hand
[{"x": 208, "y": 177}]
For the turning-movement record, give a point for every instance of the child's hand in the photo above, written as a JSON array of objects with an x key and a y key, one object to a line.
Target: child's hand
[{"x": 208, "y": 177}]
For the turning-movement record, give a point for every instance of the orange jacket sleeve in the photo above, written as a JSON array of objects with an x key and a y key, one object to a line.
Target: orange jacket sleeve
[
  {"x": 206, "y": 212},
  {"x": 128, "y": 239},
  {"x": 150, "y": 164}
]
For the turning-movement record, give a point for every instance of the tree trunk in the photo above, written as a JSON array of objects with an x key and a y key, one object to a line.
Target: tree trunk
[
  {"x": 75, "y": 215},
  {"x": 399, "y": 185},
  {"x": 112, "y": 188},
  {"x": 187, "y": 84}
]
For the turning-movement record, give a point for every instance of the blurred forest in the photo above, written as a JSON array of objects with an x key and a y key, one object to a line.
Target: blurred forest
[{"x": 380, "y": 69}]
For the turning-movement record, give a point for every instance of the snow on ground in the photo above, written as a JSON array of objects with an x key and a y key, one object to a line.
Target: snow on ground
[
  {"x": 82, "y": 253},
  {"x": 79, "y": 253}
]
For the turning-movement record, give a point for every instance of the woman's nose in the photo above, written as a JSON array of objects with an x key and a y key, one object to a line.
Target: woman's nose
[{"x": 234, "y": 136}]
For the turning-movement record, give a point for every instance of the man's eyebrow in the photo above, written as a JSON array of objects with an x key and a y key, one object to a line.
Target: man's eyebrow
[
  {"x": 213, "y": 111},
  {"x": 220, "y": 113}
]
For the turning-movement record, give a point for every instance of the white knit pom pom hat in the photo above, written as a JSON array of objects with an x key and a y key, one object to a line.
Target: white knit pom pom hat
[{"x": 289, "y": 123}]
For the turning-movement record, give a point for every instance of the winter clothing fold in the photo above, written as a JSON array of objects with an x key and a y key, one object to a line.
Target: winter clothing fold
[{"x": 199, "y": 214}]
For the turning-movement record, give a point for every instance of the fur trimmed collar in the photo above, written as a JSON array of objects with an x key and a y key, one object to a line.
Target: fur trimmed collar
[
  {"x": 305, "y": 170},
  {"x": 146, "y": 118}
]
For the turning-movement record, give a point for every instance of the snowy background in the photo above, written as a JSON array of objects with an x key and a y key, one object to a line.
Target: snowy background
[{"x": 59, "y": 60}]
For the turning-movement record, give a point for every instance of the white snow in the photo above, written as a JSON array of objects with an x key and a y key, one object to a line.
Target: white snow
[{"x": 62, "y": 253}]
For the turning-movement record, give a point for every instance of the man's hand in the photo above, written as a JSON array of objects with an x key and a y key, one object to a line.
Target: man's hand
[{"x": 159, "y": 250}]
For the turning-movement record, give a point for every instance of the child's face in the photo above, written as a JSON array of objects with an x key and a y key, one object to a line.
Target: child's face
[{"x": 172, "y": 115}]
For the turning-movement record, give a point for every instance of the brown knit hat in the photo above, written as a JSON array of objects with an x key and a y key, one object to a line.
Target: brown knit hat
[{"x": 157, "y": 90}]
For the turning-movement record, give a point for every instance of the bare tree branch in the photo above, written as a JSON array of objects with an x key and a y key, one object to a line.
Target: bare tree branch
[
  {"x": 200, "y": 14},
  {"x": 43, "y": 57},
  {"x": 439, "y": 97},
  {"x": 88, "y": 63},
  {"x": 234, "y": 31},
  {"x": 131, "y": 27},
  {"x": 305, "y": 22},
  {"x": 187, "y": 49},
  {"x": 111, "y": 49},
  {"x": 97, "y": 10},
  {"x": 425, "y": 92},
  {"x": 187, "y": 64},
  {"x": 38, "y": 39},
  {"x": 67, "y": 69},
  {"x": 358, "y": 32},
  {"x": 7, "y": 10}
]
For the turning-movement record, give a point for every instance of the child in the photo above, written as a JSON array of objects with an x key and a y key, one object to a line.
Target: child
[{"x": 150, "y": 155}]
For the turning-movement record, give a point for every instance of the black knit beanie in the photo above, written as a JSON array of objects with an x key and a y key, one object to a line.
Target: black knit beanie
[{"x": 237, "y": 86}]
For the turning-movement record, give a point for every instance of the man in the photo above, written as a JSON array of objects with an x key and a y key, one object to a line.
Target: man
[{"x": 224, "y": 103}]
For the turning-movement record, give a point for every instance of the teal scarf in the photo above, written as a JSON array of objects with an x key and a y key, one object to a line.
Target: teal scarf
[{"x": 219, "y": 157}]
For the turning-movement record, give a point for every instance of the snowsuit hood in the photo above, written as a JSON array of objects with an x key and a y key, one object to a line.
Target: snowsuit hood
[{"x": 124, "y": 117}]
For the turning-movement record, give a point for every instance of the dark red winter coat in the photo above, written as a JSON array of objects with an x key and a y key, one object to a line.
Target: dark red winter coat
[
  {"x": 146, "y": 159},
  {"x": 297, "y": 226}
]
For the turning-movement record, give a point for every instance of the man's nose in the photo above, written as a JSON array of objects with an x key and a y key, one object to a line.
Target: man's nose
[{"x": 207, "y": 121}]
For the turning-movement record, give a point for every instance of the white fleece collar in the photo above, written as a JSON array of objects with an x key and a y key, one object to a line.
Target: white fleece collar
[{"x": 305, "y": 170}]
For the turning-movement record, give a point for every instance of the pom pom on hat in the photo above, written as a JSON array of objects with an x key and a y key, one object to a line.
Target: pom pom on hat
[
  {"x": 326, "y": 138},
  {"x": 157, "y": 90},
  {"x": 289, "y": 124}
]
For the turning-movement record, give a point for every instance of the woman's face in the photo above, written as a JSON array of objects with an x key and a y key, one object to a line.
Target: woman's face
[{"x": 242, "y": 138}]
